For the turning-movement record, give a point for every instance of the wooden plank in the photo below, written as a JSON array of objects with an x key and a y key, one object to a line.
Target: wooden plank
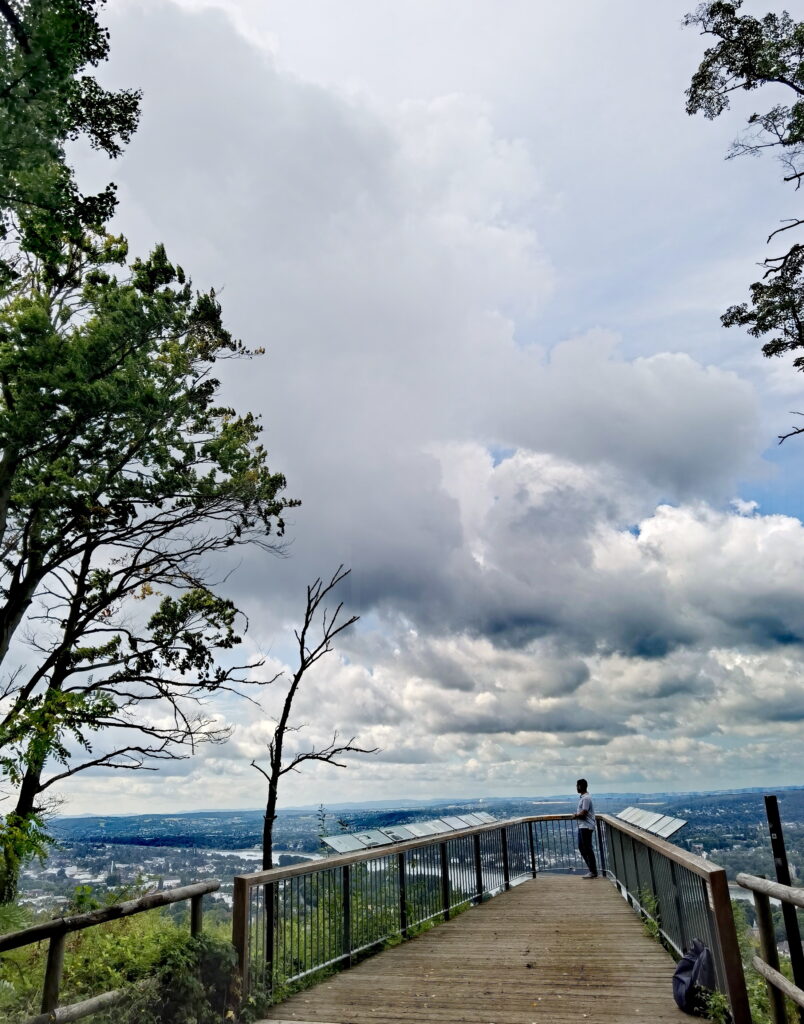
[{"x": 557, "y": 949}]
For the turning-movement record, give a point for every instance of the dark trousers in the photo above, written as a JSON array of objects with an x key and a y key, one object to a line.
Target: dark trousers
[{"x": 587, "y": 851}]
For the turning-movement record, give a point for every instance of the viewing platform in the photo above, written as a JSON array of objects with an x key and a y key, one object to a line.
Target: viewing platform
[
  {"x": 518, "y": 938},
  {"x": 554, "y": 949}
]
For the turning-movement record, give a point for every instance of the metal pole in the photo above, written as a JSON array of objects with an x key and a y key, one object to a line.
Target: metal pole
[
  {"x": 506, "y": 870},
  {"x": 788, "y": 911},
  {"x": 444, "y": 880},
  {"x": 601, "y": 847},
  {"x": 347, "y": 913},
  {"x": 478, "y": 867},
  {"x": 403, "y": 895},
  {"x": 532, "y": 849}
]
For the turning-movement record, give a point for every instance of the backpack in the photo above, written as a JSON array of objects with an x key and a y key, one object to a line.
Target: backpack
[{"x": 694, "y": 978}]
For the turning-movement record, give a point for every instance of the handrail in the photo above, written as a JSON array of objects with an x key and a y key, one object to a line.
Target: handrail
[
  {"x": 776, "y": 891},
  {"x": 691, "y": 897},
  {"x": 706, "y": 869},
  {"x": 340, "y": 860},
  {"x": 768, "y": 964},
  {"x": 77, "y": 922},
  {"x": 58, "y": 929}
]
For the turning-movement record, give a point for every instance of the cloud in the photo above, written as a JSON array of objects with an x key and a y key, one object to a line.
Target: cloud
[{"x": 535, "y": 506}]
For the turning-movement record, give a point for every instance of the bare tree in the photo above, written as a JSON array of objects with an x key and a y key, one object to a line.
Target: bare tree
[{"x": 309, "y": 653}]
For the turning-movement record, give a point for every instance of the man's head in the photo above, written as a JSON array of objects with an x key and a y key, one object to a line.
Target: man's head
[{"x": 581, "y": 785}]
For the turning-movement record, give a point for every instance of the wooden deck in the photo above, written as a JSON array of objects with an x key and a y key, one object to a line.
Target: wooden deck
[{"x": 557, "y": 949}]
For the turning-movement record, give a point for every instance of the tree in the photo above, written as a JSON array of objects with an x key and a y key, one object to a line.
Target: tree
[
  {"x": 749, "y": 54},
  {"x": 309, "y": 653},
  {"x": 120, "y": 478},
  {"x": 47, "y": 98}
]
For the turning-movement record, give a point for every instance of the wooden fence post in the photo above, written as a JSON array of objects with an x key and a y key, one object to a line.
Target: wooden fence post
[
  {"x": 55, "y": 965},
  {"x": 729, "y": 948},
  {"x": 196, "y": 915},
  {"x": 240, "y": 899},
  {"x": 767, "y": 939}
]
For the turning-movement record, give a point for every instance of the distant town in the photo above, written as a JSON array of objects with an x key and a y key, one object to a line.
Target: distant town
[{"x": 100, "y": 855}]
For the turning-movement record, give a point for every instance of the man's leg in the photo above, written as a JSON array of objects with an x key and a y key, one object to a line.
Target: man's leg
[{"x": 587, "y": 850}]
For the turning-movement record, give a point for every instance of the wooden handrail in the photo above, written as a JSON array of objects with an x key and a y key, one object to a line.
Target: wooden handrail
[
  {"x": 58, "y": 929},
  {"x": 691, "y": 861},
  {"x": 776, "y": 891},
  {"x": 64, "y": 925},
  {"x": 342, "y": 859}
]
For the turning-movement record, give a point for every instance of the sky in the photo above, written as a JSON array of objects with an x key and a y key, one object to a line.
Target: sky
[{"x": 486, "y": 252}]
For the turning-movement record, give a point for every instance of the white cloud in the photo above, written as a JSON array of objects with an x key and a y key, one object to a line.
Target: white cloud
[{"x": 475, "y": 282}]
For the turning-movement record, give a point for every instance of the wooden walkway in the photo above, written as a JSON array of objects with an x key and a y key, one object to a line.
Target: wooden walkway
[{"x": 557, "y": 949}]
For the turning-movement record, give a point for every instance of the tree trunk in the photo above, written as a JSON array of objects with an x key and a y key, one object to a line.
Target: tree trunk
[
  {"x": 13, "y": 837},
  {"x": 268, "y": 827}
]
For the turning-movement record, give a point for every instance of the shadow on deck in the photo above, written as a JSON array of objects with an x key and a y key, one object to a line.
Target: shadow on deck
[{"x": 555, "y": 949}]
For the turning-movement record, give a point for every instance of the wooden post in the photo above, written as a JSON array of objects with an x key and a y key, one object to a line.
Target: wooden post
[
  {"x": 788, "y": 911},
  {"x": 442, "y": 847},
  {"x": 55, "y": 965},
  {"x": 403, "y": 895},
  {"x": 240, "y": 900},
  {"x": 767, "y": 941},
  {"x": 729, "y": 948},
  {"x": 506, "y": 870},
  {"x": 196, "y": 915}
]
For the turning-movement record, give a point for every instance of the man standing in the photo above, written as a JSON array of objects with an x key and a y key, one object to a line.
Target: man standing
[{"x": 586, "y": 827}]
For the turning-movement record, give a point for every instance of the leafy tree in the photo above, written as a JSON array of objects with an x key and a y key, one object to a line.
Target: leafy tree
[
  {"x": 47, "y": 98},
  {"x": 120, "y": 477},
  {"x": 749, "y": 54},
  {"x": 310, "y": 651}
]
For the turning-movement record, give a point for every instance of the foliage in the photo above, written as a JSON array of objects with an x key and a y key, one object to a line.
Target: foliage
[
  {"x": 47, "y": 97},
  {"x": 716, "y": 1008},
  {"x": 120, "y": 476},
  {"x": 173, "y": 978},
  {"x": 755, "y": 984},
  {"x": 749, "y": 54},
  {"x": 196, "y": 984},
  {"x": 650, "y": 914}
]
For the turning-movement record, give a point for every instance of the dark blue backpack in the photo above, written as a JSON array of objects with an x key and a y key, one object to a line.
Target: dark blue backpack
[{"x": 694, "y": 979}]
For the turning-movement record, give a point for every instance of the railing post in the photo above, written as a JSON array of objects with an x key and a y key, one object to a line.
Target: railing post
[
  {"x": 478, "y": 867},
  {"x": 767, "y": 940},
  {"x": 403, "y": 895},
  {"x": 347, "y": 913},
  {"x": 444, "y": 880},
  {"x": 196, "y": 915},
  {"x": 682, "y": 917},
  {"x": 506, "y": 870},
  {"x": 55, "y": 965},
  {"x": 601, "y": 847},
  {"x": 532, "y": 849},
  {"x": 269, "y": 898},
  {"x": 240, "y": 900},
  {"x": 729, "y": 948}
]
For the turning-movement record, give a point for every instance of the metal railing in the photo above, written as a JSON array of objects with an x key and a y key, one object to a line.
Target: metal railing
[
  {"x": 768, "y": 964},
  {"x": 57, "y": 930},
  {"x": 685, "y": 897},
  {"x": 291, "y": 922}
]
